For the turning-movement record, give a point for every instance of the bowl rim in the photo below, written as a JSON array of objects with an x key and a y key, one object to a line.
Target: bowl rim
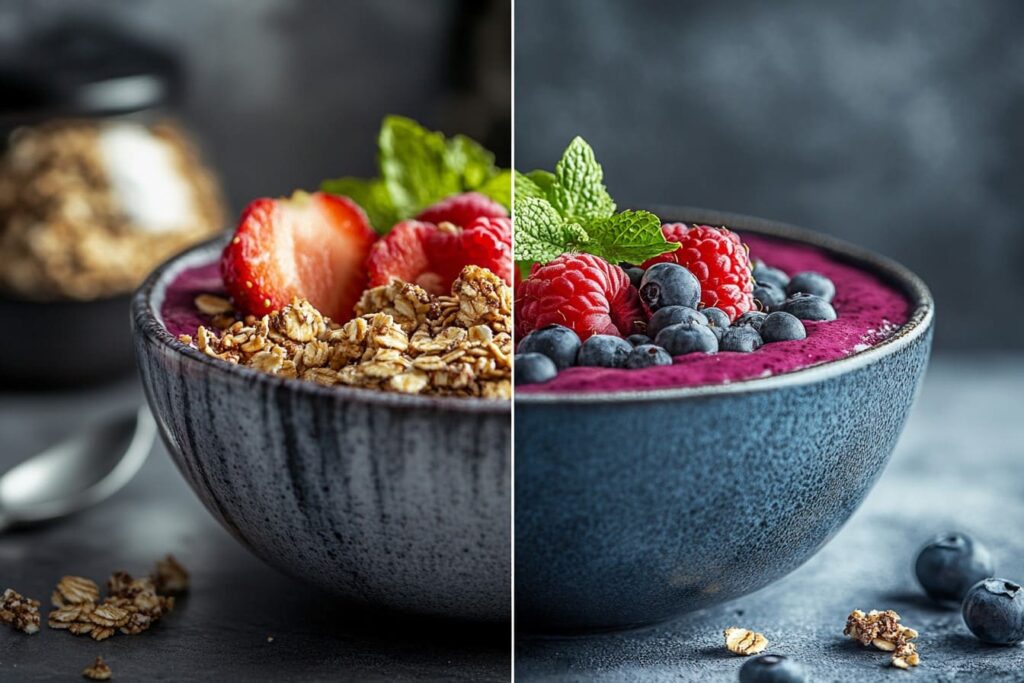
[
  {"x": 146, "y": 322},
  {"x": 894, "y": 273}
]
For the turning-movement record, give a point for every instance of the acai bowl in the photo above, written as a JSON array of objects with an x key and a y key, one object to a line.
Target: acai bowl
[
  {"x": 367, "y": 451},
  {"x": 646, "y": 493}
]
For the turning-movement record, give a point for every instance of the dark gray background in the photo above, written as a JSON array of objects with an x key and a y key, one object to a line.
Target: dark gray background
[{"x": 895, "y": 125}]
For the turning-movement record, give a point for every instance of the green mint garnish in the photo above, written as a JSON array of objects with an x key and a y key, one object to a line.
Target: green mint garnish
[
  {"x": 570, "y": 210},
  {"x": 419, "y": 167}
]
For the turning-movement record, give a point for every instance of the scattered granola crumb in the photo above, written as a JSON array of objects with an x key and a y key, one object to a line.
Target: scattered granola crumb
[
  {"x": 211, "y": 304},
  {"x": 403, "y": 340},
  {"x": 270, "y": 639},
  {"x": 884, "y": 631},
  {"x": 19, "y": 612},
  {"x": 170, "y": 577},
  {"x": 740, "y": 641},
  {"x": 98, "y": 670},
  {"x": 75, "y": 590}
]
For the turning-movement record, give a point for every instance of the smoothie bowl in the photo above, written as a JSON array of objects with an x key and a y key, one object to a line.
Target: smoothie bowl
[
  {"x": 366, "y": 451},
  {"x": 647, "y": 491}
]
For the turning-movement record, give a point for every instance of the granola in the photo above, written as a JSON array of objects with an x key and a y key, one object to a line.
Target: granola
[
  {"x": 740, "y": 641},
  {"x": 19, "y": 612},
  {"x": 883, "y": 630},
  {"x": 402, "y": 339},
  {"x": 98, "y": 670}
]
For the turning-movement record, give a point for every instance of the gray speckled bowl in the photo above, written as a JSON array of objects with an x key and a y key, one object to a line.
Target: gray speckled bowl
[
  {"x": 632, "y": 508},
  {"x": 395, "y": 501}
]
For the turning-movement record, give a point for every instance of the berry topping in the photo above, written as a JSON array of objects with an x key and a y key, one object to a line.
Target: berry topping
[
  {"x": 639, "y": 339},
  {"x": 766, "y": 275},
  {"x": 310, "y": 245},
  {"x": 718, "y": 259},
  {"x": 781, "y": 326},
  {"x": 772, "y": 669},
  {"x": 689, "y": 337},
  {"x": 752, "y": 319},
  {"x": 635, "y": 275},
  {"x": 604, "y": 351},
  {"x": 672, "y": 315},
  {"x": 768, "y": 296},
  {"x": 669, "y": 284},
  {"x": 742, "y": 339},
  {"x": 809, "y": 307},
  {"x": 716, "y": 317},
  {"x": 647, "y": 356},
  {"x": 950, "y": 564},
  {"x": 557, "y": 342},
  {"x": 432, "y": 256},
  {"x": 812, "y": 283},
  {"x": 533, "y": 368},
  {"x": 582, "y": 292},
  {"x": 462, "y": 210},
  {"x": 994, "y": 611}
]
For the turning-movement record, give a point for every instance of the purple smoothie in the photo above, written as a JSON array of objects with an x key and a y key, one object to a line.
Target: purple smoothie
[
  {"x": 178, "y": 310},
  {"x": 869, "y": 311}
]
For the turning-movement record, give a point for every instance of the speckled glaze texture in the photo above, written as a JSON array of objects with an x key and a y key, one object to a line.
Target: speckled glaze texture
[
  {"x": 386, "y": 500},
  {"x": 632, "y": 508}
]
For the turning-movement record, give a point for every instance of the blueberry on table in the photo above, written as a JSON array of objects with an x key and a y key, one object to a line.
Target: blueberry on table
[
  {"x": 766, "y": 275},
  {"x": 671, "y": 315},
  {"x": 716, "y": 317},
  {"x": 781, "y": 326},
  {"x": 809, "y": 307},
  {"x": 533, "y": 368},
  {"x": 558, "y": 343},
  {"x": 604, "y": 351},
  {"x": 769, "y": 296},
  {"x": 743, "y": 339},
  {"x": 994, "y": 611},
  {"x": 688, "y": 337},
  {"x": 949, "y": 564},
  {"x": 669, "y": 284},
  {"x": 772, "y": 669},
  {"x": 647, "y": 356},
  {"x": 639, "y": 339},
  {"x": 635, "y": 275},
  {"x": 811, "y": 283},
  {"x": 751, "y": 319}
]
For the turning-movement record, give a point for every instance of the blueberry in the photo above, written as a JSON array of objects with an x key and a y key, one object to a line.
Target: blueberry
[
  {"x": 635, "y": 275},
  {"x": 558, "y": 343},
  {"x": 716, "y": 317},
  {"x": 772, "y": 669},
  {"x": 669, "y": 284},
  {"x": 766, "y": 275},
  {"x": 672, "y": 315},
  {"x": 809, "y": 307},
  {"x": 950, "y": 564},
  {"x": 688, "y": 337},
  {"x": 743, "y": 339},
  {"x": 811, "y": 283},
  {"x": 639, "y": 339},
  {"x": 781, "y": 326},
  {"x": 604, "y": 351},
  {"x": 769, "y": 296},
  {"x": 994, "y": 611},
  {"x": 751, "y": 319},
  {"x": 647, "y": 356},
  {"x": 533, "y": 368}
]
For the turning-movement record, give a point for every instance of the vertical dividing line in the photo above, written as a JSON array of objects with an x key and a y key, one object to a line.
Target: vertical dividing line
[{"x": 512, "y": 431}]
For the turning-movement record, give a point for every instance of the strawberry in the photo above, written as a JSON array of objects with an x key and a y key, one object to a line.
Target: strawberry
[{"x": 308, "y": 245}]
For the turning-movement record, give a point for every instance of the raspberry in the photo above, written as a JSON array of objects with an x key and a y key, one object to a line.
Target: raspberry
[
  {"x": 462, "y": 209},
  {"x": 432, "y": 256},
  {"x": 719, "y": 260},
  {"x": 583, "y": 292}
]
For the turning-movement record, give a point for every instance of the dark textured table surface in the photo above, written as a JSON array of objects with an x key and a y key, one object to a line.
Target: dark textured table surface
[
  {"x": 959, "y": 465},
  {"x": 220, "y": 631}
]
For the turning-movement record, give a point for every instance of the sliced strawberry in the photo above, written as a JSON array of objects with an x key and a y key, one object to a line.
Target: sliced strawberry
[
  {"x": 462, "y": 209},
  {"x": 432, "y": 256},
  {"x": 310, "y": 245}
]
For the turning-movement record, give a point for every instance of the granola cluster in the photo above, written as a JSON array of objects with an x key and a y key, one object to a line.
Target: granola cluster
[
  {"x": 98, "y": 671},
  {"x": 740, "y": 641},
  {"x": 19, "y": 612},
  {"x": 402, "y": 339},
  {"x": 884, "y": 631},
  {"x": 63, "y": 230},
  {"x": 132, "y": 604}
]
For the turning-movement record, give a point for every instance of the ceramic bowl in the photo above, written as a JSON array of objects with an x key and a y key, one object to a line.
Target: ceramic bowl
[
  {"x": 633, "y": 508},
  {"x": 392, "y": 501}
]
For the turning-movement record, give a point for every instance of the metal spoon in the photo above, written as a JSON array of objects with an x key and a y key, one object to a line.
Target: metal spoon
[{"x": 76, "y": 473}]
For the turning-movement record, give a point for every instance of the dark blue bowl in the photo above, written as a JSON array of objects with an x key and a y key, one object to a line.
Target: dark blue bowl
[
  {"x": 632, "y": 508},
  {"x": 400, "y": 502}
]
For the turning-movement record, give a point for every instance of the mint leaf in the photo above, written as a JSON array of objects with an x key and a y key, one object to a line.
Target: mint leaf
[
  {"x": 471, "y": 161},
  {"x": 578, "y": 191},
  {"x": 525, "y": 187},
  {"x": 499, "y": 188},
  {"x": 371, "y": 195},
  {"x": 630, "y": 236},
  {"x": 541, "y": 233},
  {"x": 415, "y": 165},
  {"x": 545, "y": 180}
]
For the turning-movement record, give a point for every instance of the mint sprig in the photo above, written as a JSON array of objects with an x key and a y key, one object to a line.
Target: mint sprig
[
  {"x": 571, "y": 210},
  {"x": 419, "y": 167}
]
